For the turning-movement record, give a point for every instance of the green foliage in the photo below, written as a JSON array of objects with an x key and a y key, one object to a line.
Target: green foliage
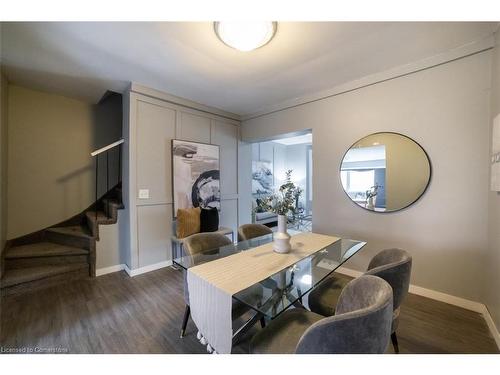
[
  {"x": 283, "y": 201},
  {"x": 373, "y": 191}
]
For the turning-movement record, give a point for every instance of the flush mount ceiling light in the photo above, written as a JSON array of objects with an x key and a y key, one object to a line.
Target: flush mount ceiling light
[{"x": 245, "y": 36}]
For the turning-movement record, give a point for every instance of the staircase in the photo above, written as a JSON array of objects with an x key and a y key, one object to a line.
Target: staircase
[
  {"x": 58, "y": 254},
  {"x": 66, "y": 251}
]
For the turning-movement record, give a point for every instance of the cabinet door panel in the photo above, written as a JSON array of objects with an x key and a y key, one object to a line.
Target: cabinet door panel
[
  {"x": 226, "y": 136},
  {"x": 194, "y": 127},
  {"x": 154, "y": 227},
  {"x": 155, "y": 131}
]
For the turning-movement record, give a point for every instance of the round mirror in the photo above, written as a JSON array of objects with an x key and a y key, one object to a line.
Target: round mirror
[{"x": 385, "y": 172}]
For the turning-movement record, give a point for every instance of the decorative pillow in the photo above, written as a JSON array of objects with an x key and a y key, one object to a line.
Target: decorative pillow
[
  {"x": 188, "y": 222},
  {"x": 209, "y": 220}
]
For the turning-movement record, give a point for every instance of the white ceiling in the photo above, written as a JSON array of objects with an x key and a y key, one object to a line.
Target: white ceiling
[
  {"x": 297, "y": 140},
  {"x": 186, "y": 58},
  {"x": 365, "y": 154}
]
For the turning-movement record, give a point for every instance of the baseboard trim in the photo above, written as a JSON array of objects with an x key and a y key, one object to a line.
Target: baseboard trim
[
  {"x": 149, "y": 268},
  {"x": 135, "y": 271},
  {"x": 348, "y": 272},
  {"x": 111, "y": 269},
  {"x": 446, "y": 298}
]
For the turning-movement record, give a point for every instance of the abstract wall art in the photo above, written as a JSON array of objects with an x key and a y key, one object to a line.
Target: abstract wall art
[
  {"x": 196, "y": 175},
  {"x": 262, "y": 177}
]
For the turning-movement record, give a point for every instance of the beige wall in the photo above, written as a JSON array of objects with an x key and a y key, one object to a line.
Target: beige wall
[
  {"x": 492, "y": 264},
  {"x": 50, "y": 171},
  {"x": 445, "y": 109},
  {"x": 407, "y": 172}
]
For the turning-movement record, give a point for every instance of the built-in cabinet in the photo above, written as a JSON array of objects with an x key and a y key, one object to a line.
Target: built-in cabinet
[{"x": 152, "y": 120}]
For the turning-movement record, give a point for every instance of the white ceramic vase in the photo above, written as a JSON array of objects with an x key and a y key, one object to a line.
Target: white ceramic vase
[
  {"x": 370, "y": 204},
  {"x": 281, "y": 242}
]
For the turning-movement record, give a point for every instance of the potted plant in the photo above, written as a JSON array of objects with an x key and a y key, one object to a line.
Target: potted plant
[
  {"x": 282, "y": 203},
  {"x": 371, "y": 196}
]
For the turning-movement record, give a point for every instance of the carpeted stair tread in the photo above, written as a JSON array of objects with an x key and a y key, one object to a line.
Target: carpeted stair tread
[
  {"x": 76, "y": 230},
  {"x": 43, "y": 249},
  {"x": 23, "y": 275},
  {"x": 111, "y": 201},
  {"x": 101, "y": 217}
]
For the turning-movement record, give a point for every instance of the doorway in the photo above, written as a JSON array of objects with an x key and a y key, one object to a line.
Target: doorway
[{"x": 271, "y": 160}]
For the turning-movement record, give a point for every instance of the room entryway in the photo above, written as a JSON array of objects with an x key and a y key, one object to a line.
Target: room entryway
[{"x": 271, "y": 160}]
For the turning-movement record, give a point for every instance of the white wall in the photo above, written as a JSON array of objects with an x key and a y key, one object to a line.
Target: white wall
[
  {"x": 296, "y": 159},
  {"x": 445, "y": 109}
]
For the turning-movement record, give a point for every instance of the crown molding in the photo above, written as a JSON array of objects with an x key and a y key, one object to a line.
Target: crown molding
[
  {"x": 440, "y": 59},
  {"x": 157, "y": 94}
]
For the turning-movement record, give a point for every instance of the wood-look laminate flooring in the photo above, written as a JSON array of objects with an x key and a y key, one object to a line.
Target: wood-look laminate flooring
[{"x": 115, "y": 313}]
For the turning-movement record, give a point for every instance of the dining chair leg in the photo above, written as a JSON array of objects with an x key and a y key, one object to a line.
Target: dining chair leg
[
  {"x": 245, "y": 327},
  {"x": 394, "y": 340},
  {"x": 187, "y": 312},
  {"x": 262, "y": 322}
]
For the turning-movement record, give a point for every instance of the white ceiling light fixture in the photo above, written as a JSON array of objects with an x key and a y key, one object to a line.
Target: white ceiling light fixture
[{"x": 245, "y": 36}]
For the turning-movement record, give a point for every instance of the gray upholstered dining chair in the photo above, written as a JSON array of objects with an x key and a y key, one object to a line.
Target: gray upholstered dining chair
[
  {"x": 203, "y": 242},
  {"x": 392, "y": 265},
  {"x": 361, "y": 324},
  {"x": 249, "y": 231}
]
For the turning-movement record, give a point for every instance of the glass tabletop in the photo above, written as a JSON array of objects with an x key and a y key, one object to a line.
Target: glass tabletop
[
  {"x": 285, "y": 288},
  {"x": 187, "y": 261}
]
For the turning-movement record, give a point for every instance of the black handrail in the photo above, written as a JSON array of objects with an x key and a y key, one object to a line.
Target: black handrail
[{"x": 96, "y": 153}]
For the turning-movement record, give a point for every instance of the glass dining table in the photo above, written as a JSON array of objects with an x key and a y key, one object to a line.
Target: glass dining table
[{"x": 285, "y": 288}]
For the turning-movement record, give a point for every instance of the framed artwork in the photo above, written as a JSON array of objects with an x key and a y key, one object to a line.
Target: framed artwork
[
  {"x": 262, "y": 177},
  {"x": 196, "y": 175}
]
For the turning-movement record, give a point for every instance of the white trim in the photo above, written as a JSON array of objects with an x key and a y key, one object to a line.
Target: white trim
[
  {"x": 402, "y": 70},
  {"x": 151, "y": 267},
  {"x": 429, "y": 293},
  {"x": 133, "y": 272},
  {"x": 348, "y": 272},
  {"x": 446, "y": 298},
  {"x": 106, "y": 148},
  {"x": 111, "y": 269}
]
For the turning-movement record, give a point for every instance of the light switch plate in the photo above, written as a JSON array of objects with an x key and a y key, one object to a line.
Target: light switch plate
[{"x": 143, "y": 193}]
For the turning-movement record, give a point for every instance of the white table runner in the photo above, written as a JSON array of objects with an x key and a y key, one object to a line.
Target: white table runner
[{"x": 211, "y": 285}]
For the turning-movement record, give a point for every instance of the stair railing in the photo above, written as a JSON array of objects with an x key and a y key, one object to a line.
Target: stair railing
[{"x": 96, "y": 154}]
